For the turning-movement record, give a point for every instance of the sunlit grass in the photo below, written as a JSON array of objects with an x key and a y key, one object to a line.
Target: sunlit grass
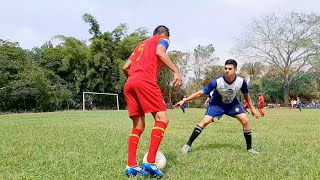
[{"x": 93, "y": 145}]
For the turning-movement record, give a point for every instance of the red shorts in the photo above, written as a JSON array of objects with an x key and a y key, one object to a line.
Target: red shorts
[{"x": 143, "y": 97}]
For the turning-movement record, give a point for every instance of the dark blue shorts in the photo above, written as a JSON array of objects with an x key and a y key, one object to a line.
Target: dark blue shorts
[
  {"x": 183, "y": 106},
  {"x": 219, "y": 110}
]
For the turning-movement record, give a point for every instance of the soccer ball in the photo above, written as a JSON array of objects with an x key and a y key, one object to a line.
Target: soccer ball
[{"x": 160, "y": 159}]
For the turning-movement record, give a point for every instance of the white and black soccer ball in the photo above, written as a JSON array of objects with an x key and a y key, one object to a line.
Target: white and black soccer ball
[{"x": 160, "y": 159}]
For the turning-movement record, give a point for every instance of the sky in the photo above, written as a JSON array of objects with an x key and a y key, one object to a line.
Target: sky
[{"x": 191, "y": 23}]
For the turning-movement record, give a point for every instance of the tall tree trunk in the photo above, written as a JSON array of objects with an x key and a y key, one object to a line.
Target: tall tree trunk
[{"x": 286, "y": 95}]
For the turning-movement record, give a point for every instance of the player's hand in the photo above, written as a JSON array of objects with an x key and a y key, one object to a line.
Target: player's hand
[
  {"x": 180, "y": 103},
  {"x": 254, "y": 113},
  {"x": 177, "y": 80}
]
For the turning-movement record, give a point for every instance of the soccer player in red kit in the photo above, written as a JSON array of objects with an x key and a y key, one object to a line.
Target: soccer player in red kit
[
  {"x": 143, "y": 95},
  {"x": 261, "y": 104}
]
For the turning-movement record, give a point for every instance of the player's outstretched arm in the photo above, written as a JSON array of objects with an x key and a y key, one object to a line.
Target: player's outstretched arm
[
  {"x": 191, "y": 97},
  {"x": 249, "y": 101},
  {"x": 162, "y": 54}
]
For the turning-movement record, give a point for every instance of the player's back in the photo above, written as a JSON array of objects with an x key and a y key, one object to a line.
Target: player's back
[{"x": 145, "y": 63}]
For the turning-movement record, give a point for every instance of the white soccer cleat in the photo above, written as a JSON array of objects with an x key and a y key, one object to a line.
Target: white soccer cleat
[
  {"x": 185, "y": 149},
  {"x": 251, "y": 151}
]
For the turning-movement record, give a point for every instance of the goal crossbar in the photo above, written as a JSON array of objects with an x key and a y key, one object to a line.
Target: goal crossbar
[{"x": 83, "y": 98}]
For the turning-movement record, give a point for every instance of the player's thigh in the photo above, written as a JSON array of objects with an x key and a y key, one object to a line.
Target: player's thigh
[
  {"x": 215, "y": 111},
  {"x": 133, "y": 104},
  {"x": 150, "y": 97}
]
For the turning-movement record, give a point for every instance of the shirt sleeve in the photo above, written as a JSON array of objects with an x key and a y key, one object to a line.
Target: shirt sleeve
[
  {"x": 210, "y": 87},
  {"x": 244, "y": 88},
  {"x": 164, "y": 42},
  {"x": 132, "y": 56}
]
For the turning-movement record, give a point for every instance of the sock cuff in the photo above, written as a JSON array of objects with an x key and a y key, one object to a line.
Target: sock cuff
[
  {"x": 160, "y": 124},
  {"x": 136, "y": 132},
  {"x": 199, "y": 127},
  {"x": 247, "y": 131}
]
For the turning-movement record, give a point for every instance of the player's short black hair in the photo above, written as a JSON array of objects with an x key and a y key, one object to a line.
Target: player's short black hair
[
  {"x": 231, "y": 61},
  {"x": 160, "y": 30}
]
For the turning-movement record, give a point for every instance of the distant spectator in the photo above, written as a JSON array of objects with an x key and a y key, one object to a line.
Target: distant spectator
[
  {"x": 298, "y": 103},
  {"x": 313, "y": 103},
  {"x": 293, "y": 103}
]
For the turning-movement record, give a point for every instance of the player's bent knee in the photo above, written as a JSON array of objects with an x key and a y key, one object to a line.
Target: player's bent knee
[
  {"x": 161, "y": 116},
  {"x": 206, "y": 120}
]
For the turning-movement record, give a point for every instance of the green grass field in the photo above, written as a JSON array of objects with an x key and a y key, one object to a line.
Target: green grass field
[{"x": 93, "y": 145}]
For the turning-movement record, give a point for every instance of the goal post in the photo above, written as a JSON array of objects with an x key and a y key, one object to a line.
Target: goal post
[{"x": 84, "y": 101}]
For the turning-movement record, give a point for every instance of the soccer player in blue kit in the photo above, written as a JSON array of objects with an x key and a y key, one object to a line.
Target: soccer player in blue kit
[{"x": 224, "y": 101}]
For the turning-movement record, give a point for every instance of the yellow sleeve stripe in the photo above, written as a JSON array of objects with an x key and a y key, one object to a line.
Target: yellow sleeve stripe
[
  {"x": 135, "y": 135},
  {"x": 158, "y": 128}
]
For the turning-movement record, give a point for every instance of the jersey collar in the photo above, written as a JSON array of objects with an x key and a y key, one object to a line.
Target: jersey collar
[{"x": 227, "y": 81}]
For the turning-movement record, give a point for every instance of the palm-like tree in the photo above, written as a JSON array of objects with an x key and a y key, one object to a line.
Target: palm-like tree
[{"x": 252, "y": 70}]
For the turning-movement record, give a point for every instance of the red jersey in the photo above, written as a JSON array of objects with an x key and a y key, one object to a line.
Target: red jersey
[{"x": 145, "y": 62}]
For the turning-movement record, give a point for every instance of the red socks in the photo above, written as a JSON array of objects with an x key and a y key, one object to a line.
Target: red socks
[
  {"x": 261, "y": 112},
  {"x": 155, "y": 140},
  {"x": 132, "y": 146}
]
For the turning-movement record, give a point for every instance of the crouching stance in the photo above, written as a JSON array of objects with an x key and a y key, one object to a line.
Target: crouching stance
[{"x": 224, "y": 101}]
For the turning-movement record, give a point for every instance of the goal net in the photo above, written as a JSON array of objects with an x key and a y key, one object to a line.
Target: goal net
[{"x": 99, "y": 101}]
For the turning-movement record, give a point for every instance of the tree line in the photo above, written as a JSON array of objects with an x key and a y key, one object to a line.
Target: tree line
[{"x": 282, "y": 53}]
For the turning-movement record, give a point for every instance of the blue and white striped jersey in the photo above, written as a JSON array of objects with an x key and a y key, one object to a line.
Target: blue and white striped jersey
[{"x": 225, "y": 93}]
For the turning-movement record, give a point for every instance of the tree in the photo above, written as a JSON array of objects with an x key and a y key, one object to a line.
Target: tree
[
  {"x": 251, "y": 70},
  {"x": 120, "y": 32},
  {"x": 27, "y": 85},
  {"x": 203, "y": 58},
  {"x": 306, "y": 86},
  {"x": 212, "y": 72},
  {"x": 94, "y": 25},
  {"x": 73, "y": 66},
  {"x": 165, "y": 77},
  {"x": 287, "y": 42},
  {"x": 8, "y": 43},
  {"x": 126, "y": 46},
  {"x": 181, "y": 60}
]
